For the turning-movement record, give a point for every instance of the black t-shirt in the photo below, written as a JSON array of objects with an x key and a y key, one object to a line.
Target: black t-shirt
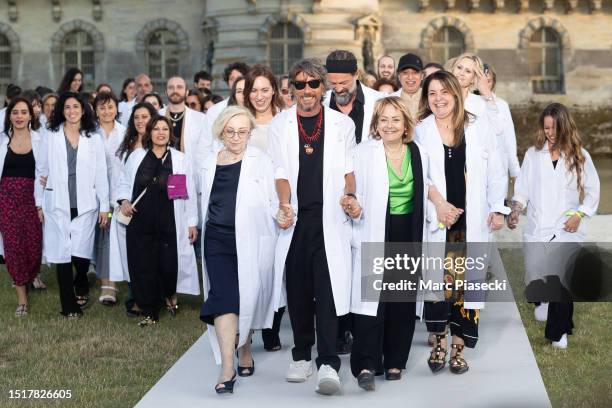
[
  {"x": 177, "y": 127},
  {"x": 454, "y": 170},
  {"x": 222, "y": 202},
  {"x": 356, "y": 113},
  {"x": 310, "y": 176}
]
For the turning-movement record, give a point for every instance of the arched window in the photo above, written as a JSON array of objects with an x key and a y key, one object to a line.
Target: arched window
[
  {"x": 447, "y": 42},
  {"x": 5, "y": 64},
  {"x": 162, "y": 57},
  {"x": 285, "y": 47},
  {"x": 78, "y": 52},
  {"x": 545, "y": 62}
]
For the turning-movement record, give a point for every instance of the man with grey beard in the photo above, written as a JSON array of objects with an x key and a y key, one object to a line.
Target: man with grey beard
[{"x": 347, "y": 95}]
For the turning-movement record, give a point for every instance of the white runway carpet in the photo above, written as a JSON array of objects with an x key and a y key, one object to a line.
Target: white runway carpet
[{"x": 503, "y": 374}]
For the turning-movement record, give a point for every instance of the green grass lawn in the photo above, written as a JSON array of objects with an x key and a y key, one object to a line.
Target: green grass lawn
[{"x": 107, "y": 361}]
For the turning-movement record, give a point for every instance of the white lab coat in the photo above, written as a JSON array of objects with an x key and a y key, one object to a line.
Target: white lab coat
[
  {"x": 113, "y": 162},
  {"x": 125, "y": 111},
  {"x": 339, "y": 144},
  {"x": 549, "y": 193},
  {"x": 185, "y": 216},
  {"x": 118, "y": 264},
  {"x": 485, "y": 186},
  {"x": 372, "y": 179},
  {"x": 256, "y": 233},
  {"x": 370, "y": 97},
  {"x": 62, "y": 237},
  {"x": 194, "y": 130},
  {"x": 39, "y": 150}
]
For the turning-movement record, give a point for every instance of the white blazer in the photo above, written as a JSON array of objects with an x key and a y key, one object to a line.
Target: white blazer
[
  {"x": 256, "y": 233},
  {"x": 38, "y": 148},
  {"x": 372, "y": 179},
  {"x": 370, "y": 97},
  {"x": 185, "y": 216},
  {"x": 125, "y": 111},
  {"x": 63, "y": 237},
  {"x": 113, "y": 162},
  {"x": 485, "y": 185},
  {"x": 549, "y": 193},
  {"x": 339, "y": 142}
]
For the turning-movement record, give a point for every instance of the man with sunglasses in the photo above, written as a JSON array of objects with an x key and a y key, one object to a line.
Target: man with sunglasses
[{"x": 312, "y": 150}]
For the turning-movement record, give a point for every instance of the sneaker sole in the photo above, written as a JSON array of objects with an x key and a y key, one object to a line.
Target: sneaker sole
[
  {"x": 328, "y": 387},
  {"x": 296, "y": 379}
]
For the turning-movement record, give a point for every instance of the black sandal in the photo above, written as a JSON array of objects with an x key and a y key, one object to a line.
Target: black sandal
[
  {"x": 82, "y": 301},
  {"x": 147, "y": 321},
  {"x": 437, "y": 358},
  {"x": 457, "y": 363},
  {"x": 246, "y": 371},
  {"x": 226, "y": 387}
]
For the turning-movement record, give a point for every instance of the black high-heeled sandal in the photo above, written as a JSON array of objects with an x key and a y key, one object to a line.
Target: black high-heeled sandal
[
  {"x": 437, "y": 358},
  {"x": 226, "y": 387},
  {"x": 246, "y": 371},
  {"x": 457, "y": 363}
]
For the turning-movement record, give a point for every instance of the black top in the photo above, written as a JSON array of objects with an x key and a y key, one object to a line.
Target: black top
[
  {"x": 155, "y": 211},
  {"x": 222, "y": 202},
  {"x": 356, "y": 113},
  {"x": 310, "y": 176},
  {"x": 454, "y": 170},
  {"x": 555, "y": 163},
  {"x": 19, "y": 165},
  {"x": 177, "y": 127}
]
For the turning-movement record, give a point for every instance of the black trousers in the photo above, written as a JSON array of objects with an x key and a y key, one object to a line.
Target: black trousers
[
  {"x": 309, "y": 293},
  {"x": 560, "y": 320},
  {"x": 71, "y": 284},
  {"x": 463, "y": 322},
  {"x": 270, "y": 336},
  {"x": 152, "y": 261},
  {"x": 385, "y": 340}
]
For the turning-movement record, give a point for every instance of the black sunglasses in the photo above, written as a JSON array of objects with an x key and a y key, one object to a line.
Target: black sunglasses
[{"x": 313, "y": 84}]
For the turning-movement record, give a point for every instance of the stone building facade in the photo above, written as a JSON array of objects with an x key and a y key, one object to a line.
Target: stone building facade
[{"x": 541, "y": 49}]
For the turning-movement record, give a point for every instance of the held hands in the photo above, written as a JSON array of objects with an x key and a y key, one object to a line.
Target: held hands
[
  {"x": 513, "y": 218},
  {"x": 350, "y": 206},
  {"x": 447, "y": 213},
  {"x": 572, "y": 223},
  {"x": 127, "y": 209},
  {"x": 285, "y": 216},
  {"x": 193, "y": 234},
  {"x": 495, "y": 221}
]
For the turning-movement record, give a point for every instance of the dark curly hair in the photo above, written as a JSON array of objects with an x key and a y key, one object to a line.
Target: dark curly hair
[
  {"x": 88, "y": 123},
  {"x": 131, "y": 134},
  {"x": 238, "y": 66},
  {"x": 64, "y": 85}
]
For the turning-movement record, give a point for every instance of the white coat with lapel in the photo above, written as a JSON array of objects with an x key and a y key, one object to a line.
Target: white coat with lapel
[
  {"x": 62, "y": 237},
  {"x": 39, "y": 150},
  {"x": 113, "y": 162},
  {"x": 485, "y": 185},
  {"x": 256, "y": 233},
  {"x": 185, "y": 216},
  {"x": 372, "y": 179},
  {"x": 339, "y": 144},
  {"x": 549, "y": 193},
  {"x": 193, "y": 133},
  {"x": 370, "y": 97}
]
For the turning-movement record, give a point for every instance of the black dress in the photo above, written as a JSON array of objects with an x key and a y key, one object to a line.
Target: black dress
[
  {"x": 151, "y": 237},
  {"x": 220, "y": 245}
]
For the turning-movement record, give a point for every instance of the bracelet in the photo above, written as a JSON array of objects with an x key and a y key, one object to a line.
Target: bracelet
[{"x": 580, "y": 214}]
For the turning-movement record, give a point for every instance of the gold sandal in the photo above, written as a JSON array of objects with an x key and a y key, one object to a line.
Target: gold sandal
[
  {"x": 457, "y": 363},
  {"x": 437, "y": 358}
]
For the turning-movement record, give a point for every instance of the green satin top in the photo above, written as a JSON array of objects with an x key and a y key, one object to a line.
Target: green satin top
[{"x": 401, "y": 189}]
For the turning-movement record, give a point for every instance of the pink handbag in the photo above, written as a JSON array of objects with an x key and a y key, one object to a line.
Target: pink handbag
[{"x": 177, "y": 186}]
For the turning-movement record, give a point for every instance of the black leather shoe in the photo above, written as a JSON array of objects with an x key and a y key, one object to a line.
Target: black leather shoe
[
  {"x": 389, "y": 376},
  {"x": 365, "y": 380}
]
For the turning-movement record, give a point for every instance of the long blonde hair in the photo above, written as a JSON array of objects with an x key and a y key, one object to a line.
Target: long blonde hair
[
  {"x": 461, "y": 117},
  {"x": 452, "y": 63},
  {"x": 569, "y": 141}
]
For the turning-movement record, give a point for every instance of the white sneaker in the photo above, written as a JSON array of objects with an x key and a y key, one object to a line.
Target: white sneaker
[
  {"x": 562, "y": 343},
  {"x": 328, "y": 382},
  {"x": 541, "y": 312},
  {"x": 299, "y": 371}
]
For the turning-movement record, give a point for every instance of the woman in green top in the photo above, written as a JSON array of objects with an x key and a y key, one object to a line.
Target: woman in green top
[{"x": 390, "y": 182}]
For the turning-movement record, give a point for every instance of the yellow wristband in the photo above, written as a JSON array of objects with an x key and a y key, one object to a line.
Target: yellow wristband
[{"x": 578, "y": 213}]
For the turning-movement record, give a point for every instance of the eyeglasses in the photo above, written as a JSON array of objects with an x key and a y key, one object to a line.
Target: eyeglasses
[
  {"x": 242, "y": 133},
  {"x": 284, "y": 91},
  {"x": 313, "y": 84}
]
